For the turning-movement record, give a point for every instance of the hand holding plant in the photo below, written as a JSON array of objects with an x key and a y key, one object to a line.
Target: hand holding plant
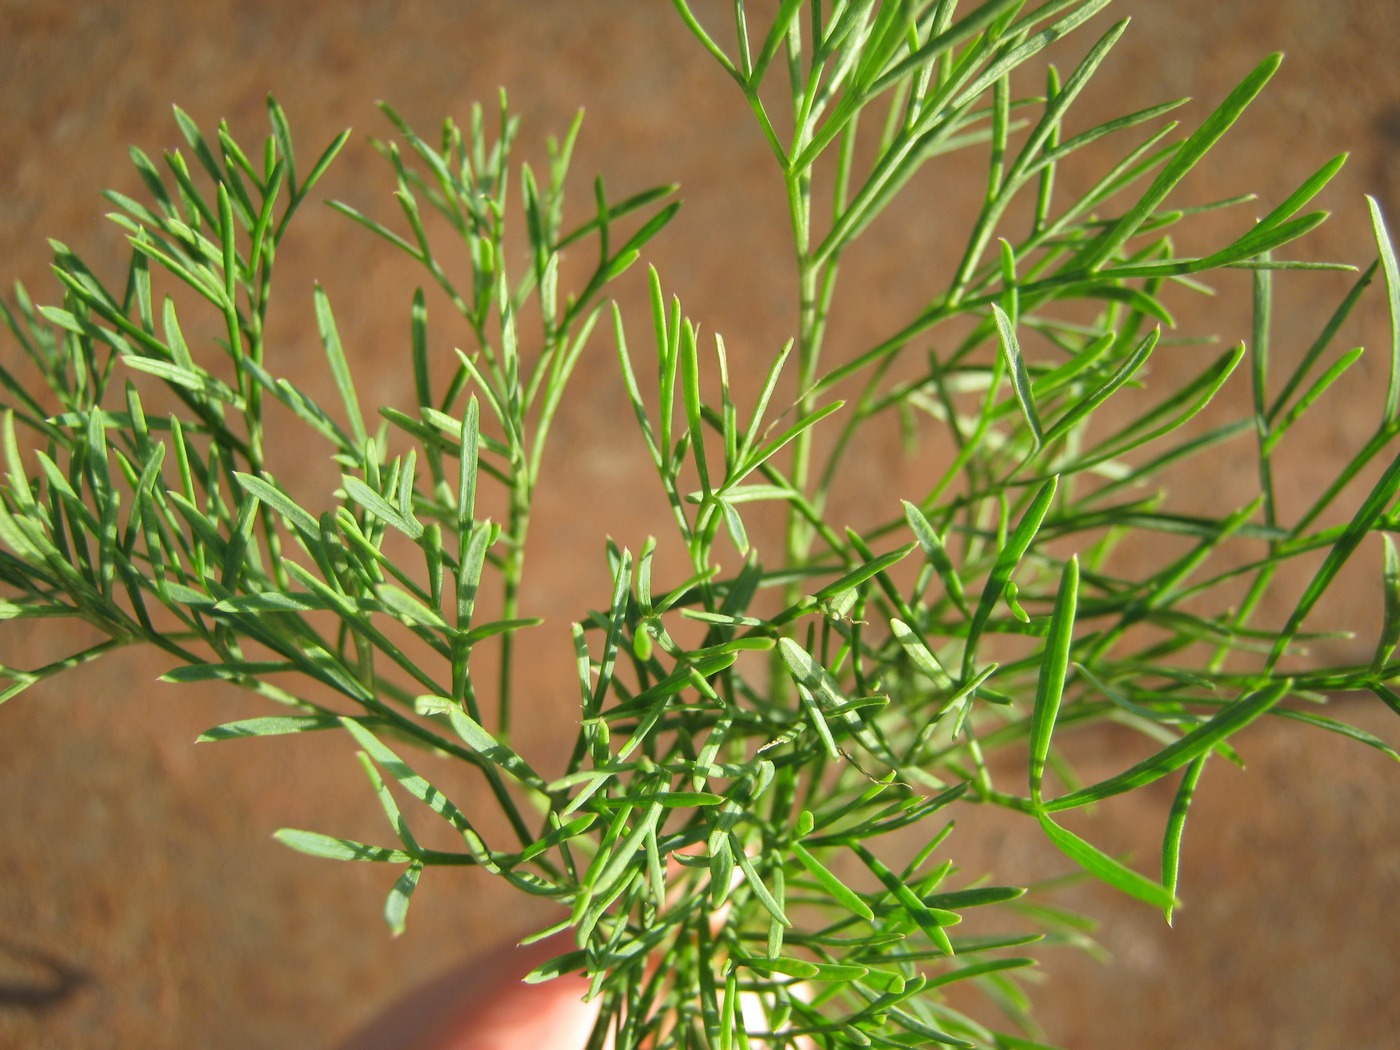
[{"x": 770, "y": 744}]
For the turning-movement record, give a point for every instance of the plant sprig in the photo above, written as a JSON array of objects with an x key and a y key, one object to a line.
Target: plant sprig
[{"x": 753, "y": 740}]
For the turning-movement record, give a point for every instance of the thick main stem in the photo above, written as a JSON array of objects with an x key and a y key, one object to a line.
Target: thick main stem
[{"x": 809, "y": 332}]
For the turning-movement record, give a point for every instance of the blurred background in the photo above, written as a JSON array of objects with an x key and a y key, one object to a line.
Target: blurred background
[{"x": 143, "y": 901}]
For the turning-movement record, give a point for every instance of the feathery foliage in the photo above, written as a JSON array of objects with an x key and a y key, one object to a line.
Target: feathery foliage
[{"x": 739, "y": 807}]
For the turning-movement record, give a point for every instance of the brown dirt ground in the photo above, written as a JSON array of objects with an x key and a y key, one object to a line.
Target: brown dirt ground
[{"x": 142, "y": 899}]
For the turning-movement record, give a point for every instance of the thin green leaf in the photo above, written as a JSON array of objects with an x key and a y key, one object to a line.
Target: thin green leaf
[
  {"x": 268, "y": 725},
  {"x": 1104, "y": 867},
  {"x": 1185, "y": 157},
  {"x": 492, "y": 749},
  {"x": 757, "y": 458},
  {"x": 1176, "y": 826},
  {"x": 864, "y": 572},
  {"x": 416, "y": 786},
  {"x": 381, "y": 508},
  {"x": 783, "y": 964},
  {"x": 929, "y": 920},
  {"x": 1050, "y": 686},
  {"x": 691, "y": 398},
  {"x": 266, "y": 492},
  {"x": 936, "y": 553},
  {"x": 1200, "y": 741},
  {"x": 1391, "y": 268},
  {"x": 840, "y": 892},
  {"x": 920, "y": 654},
  {"x": 1079, "y": 411},
  {"x": 756, "y": 884},
  {"x": 1332, "y": 725},
  {"x": 328, "y": 846},
  {"x": 396, "y": 906},
  {"x": 1362, "y": 522},
  {"x": 569, "y": 962},
  {"x": 1390, "y": 619},
  {"x": 1007, "y": 559},
  {"x": 340, "y": 368},
  {"x": 1020, "y": 377}
]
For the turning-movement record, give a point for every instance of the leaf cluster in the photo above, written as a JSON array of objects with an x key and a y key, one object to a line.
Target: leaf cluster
[{"x": 751, "y": 840}]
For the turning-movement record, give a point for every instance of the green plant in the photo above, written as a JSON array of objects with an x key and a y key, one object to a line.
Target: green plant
[{"x": 753, "y": 737}]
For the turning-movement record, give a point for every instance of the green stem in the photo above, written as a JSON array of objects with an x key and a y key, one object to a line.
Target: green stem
[
  {"x": 808, "y": 355},
  {"x": 512, "y": 571}
]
